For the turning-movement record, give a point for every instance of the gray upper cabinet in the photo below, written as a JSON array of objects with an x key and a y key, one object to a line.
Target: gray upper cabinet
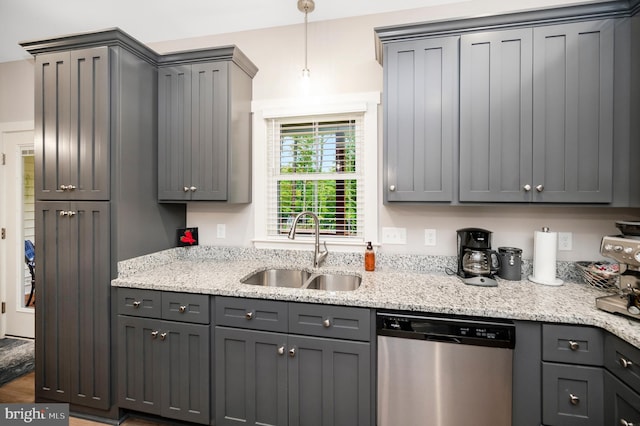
[
  {"x": 72, "y": 125},
  {"x": 544, "y": 114},
  {"x": 205, "y": 126},
  {"x": 573, "y": 113},
  {"x": 536, "y": 115},
  {"x": 420, "y": 119},
  {"x": 496, "y": 115}
]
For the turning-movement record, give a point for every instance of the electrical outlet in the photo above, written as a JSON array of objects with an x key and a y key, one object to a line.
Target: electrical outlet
[
  {"x": 394, "y": 235},
  {"x": 221, "y": 231},
  {"x": 565, "y": 241},
  {"x": 429, "y": 237}
]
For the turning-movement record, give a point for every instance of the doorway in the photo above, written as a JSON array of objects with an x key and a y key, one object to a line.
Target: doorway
[{"x": 17, "y": 222}]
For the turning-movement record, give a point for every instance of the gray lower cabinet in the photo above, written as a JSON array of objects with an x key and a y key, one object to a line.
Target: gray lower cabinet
[
  {"x": 536, "y": 114},
  {"x": 572, "y": 375},
  {"x": 621, "y": 382},
  {"x": 420, "y": 119},
  {"x": 204, "y": 136},
  {"x": 267, "y": 377},
  {"x": 72, "y": 293},
  {"x": 164, "y": 364}
]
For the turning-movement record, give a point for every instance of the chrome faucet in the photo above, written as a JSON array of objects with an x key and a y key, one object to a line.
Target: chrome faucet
[{"x": 318, "y": 256}]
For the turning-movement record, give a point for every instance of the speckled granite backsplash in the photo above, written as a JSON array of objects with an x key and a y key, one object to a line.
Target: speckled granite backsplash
[{"x": 407, "y": 262}]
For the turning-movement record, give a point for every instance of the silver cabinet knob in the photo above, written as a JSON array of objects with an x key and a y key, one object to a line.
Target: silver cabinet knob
[
  {"x": 573, "y": 345},
  {"x": 63, "y": 213},
  {"x": 71, "y": 213},
  {"x": 185, "y": 189},
  {"x": 63, "y": 187},
  {"x": 136, "y": 304},
  {"x": 326, "y": 323},
  {"x": 539, "y": 188},
  {"x": 71, "y": 187},
  {"x": 292, "y": 352},
  {"x": 623, "y": 422},
  {"x": 249, "y": 316},
  {"x": 192, "y": 189},
  {"x": 67, "y": 187},
  {"x": 392, "y": 188},
  {"x": 625, "y": 363},
  {"x": 163, "y": 336},
  {"x": 574, "y": 399},
  {"x": 154, "y": 334},
  {"x": 281, "y": 350},
  {"x": 527, "y": 188},
  {"x": 182, "y": 309}
]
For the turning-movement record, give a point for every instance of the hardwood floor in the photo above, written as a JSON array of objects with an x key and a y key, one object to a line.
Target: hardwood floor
[{"x": 21, "y": 390}]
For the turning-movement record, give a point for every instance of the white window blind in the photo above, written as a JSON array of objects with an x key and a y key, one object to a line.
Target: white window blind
[{"x": 315, "y": 164}]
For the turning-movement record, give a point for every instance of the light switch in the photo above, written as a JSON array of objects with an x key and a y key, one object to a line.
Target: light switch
[{"x": 221, "y": 231}]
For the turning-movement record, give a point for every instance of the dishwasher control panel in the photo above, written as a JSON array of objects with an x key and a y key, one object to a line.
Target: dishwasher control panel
[{"x": 447, "y": 330}]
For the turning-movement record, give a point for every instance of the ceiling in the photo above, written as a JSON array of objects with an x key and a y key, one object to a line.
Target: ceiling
[{"x": 160, "y": 20}]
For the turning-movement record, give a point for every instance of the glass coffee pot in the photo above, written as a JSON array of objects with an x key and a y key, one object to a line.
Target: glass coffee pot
[{"x": 480, "y": 262}]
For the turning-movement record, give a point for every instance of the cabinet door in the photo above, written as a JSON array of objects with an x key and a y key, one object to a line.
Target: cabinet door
[
  {"x": 622, "y": 404},
  {"x": 209, "y": 132},
  {"x": 495, "y": 116},
  {"x": 73, "y": 290},
  {"x": 572, "y": 395},
  {"x": 185, "y": 371},
  {"x": 421, "y": 80},
  {"x": 573, "y": 112},
  {"x": 329, "y": 382},
  {"x": 72, "y": 125},
  {"x": 251, "y": 377},
  {"x": 174, "y": 133},
  {"x": 139, "y": 364}
]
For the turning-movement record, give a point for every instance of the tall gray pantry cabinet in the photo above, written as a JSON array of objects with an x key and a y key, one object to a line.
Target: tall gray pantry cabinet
[{"x": 95, "y": 147}]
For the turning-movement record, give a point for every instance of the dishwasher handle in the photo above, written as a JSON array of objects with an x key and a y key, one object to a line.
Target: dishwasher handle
[{"x": 442, "y": 339}]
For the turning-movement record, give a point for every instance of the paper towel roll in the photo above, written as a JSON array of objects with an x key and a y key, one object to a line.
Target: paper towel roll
[{"x": 544, "y": 258}]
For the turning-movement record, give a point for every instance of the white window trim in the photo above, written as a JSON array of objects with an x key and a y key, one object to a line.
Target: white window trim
[{"x": 366, "y": 103}]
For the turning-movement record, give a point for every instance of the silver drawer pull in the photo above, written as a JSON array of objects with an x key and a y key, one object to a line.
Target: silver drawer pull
[
  {"x": 249, "y": 316},
  {"x": 392, "y": 188},
  {"x": 163, "y": 336},
  {"x": 292, "y": 352},
  {"x": 185, "y": 189},
  {"x": 573, "y": 345},
  {"x": 527, "y": 188},
  {"x": 136, "y": 304},
  {"x": 574, "y": 399},
  {"x": 625, "y": 363},
  {"x": 154, "y": 334},
  {"x": 182, "y": 309},
  {"x": 623, "y": 422},
  {"x": 326, "y": 323},
  {"x": 281, "y": 350},
  {"x": 539, "y": 188},
  {"x": 193, "y": 189}
]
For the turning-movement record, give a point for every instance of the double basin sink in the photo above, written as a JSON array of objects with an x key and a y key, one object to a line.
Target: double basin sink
[{"x": 299, "y": 278}]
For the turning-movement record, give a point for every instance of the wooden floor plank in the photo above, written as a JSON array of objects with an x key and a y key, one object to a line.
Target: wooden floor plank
[{"x": 22, "y": 390}]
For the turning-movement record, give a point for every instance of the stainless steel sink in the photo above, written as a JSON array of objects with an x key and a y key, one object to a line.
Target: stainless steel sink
[
  {"x": 298, "y": 278},
  {"x": 333, "y": 282},
  {"x": 293, "y": 278}
]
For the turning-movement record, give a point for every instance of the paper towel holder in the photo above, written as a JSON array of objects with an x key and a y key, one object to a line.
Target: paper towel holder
[{"x": 549, "y": 280}]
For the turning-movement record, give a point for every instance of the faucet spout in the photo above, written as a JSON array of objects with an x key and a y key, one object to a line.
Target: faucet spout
[{"x": 318, "y": 256}]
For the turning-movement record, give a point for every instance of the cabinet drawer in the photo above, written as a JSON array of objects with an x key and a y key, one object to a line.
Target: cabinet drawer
[
  {"x": 253, "y": 314},
  {"x": 572, "y": 344},
  {"x": 623, "y": 360},
  {"x": 139, "y": 303},
  {"x": 622, "y": 404},
  {"x": 185, "y": 307},
  {"x": 330, "y": 321},
  {"x": 572, "y": 395}
]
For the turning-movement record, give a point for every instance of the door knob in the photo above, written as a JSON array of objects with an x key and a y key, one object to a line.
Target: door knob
[
  {"x": 392, "y": 188},
  {"x": 527, "y": 188},
  {"x": 182, "y": 309},
  {"x": 573, "y": 345},
  {"x": 625, "y": 363},
  {"x": 249, "y": 316},
  {"x": 281, "y": 350},
  {"x": 292, "y": 352},
  {"x": 136, "y": 304},
  {"x": 326, "y": 323},
  {"x": 163, "y": 336},
  {"x": 185, "y": 189},
  {"x": 154, "y": 334},
  {"x": 192, "y": 189},
  {"x": 574, "y": 399},
  {"x": 539, "y": 188}
]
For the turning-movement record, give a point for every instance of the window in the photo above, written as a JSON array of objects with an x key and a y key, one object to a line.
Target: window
[
  {"x": 315, "y": 165},
  {"x": 316, "y": 154}
]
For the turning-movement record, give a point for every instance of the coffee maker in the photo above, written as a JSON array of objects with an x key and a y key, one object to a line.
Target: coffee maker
[{"x": 477, "y": 263}]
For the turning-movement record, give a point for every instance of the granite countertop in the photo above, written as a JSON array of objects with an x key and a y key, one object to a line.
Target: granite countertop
[{"x": 394, "y": 285}]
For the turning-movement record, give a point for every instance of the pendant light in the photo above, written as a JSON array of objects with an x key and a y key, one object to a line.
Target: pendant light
[{"x": 306, "y": 6}]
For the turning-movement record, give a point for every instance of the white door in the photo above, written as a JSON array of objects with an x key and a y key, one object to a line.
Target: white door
[{"x": 16, "y": 219}]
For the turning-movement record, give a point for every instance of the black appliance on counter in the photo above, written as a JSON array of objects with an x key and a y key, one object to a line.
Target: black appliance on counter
[
  {"x": 477, "y": 263},
  {"x": 624, "y": 249}
]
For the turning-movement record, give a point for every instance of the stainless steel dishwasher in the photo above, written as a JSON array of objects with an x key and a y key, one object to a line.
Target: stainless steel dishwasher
[{"x": 443, "y": 371}]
